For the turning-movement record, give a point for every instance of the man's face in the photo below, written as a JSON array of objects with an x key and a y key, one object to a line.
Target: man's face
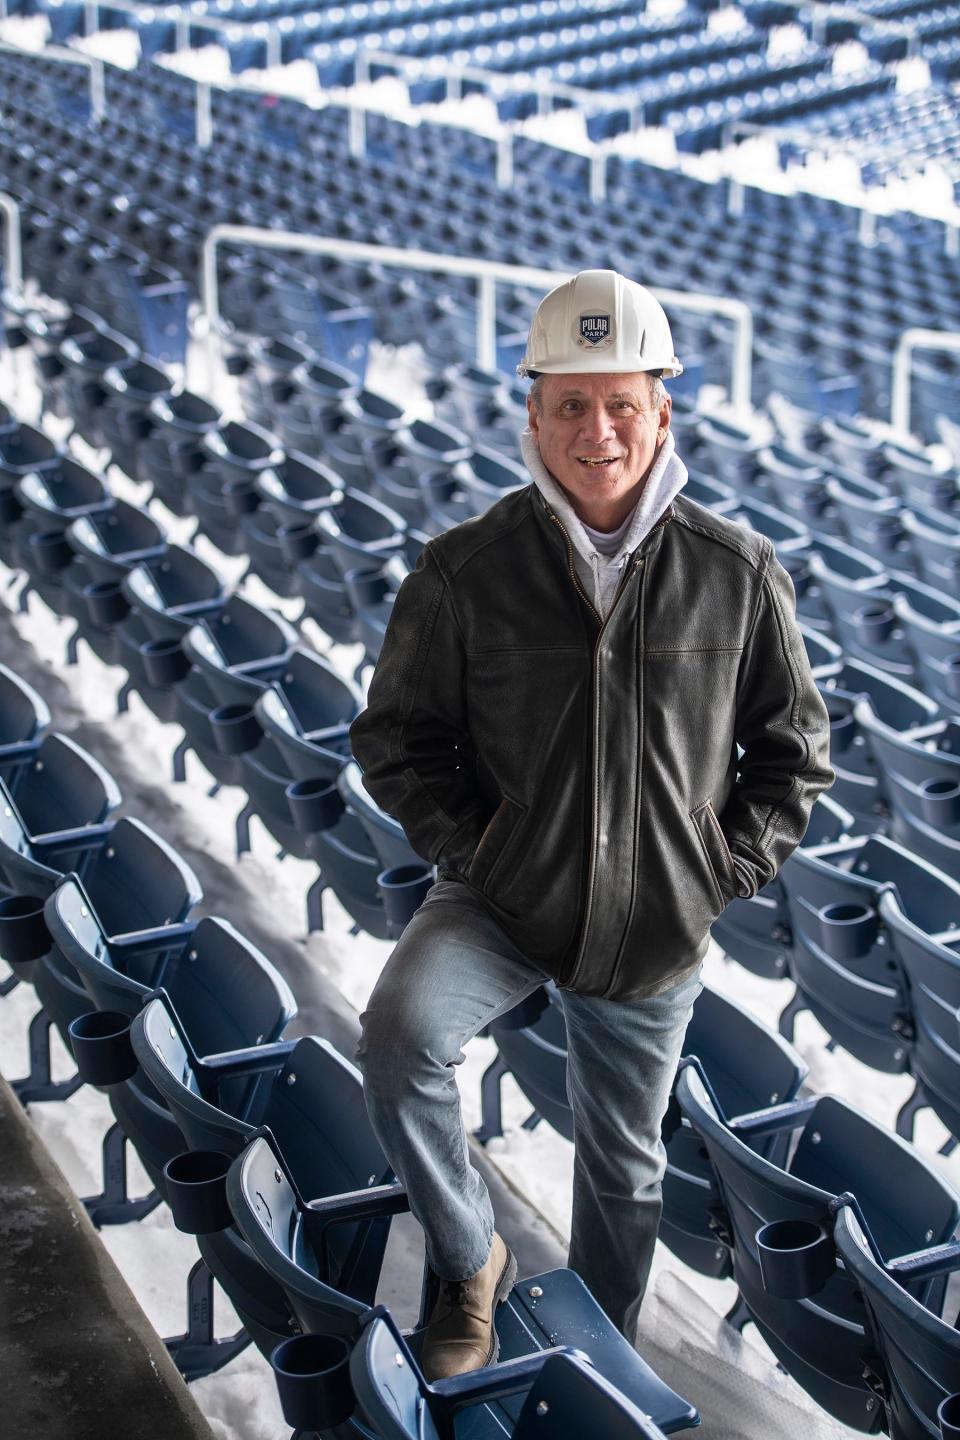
[{"x": 598, "y": 436}]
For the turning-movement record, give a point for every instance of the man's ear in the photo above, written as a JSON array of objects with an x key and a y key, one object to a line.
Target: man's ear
[
  {"x": 533, "y": 418},
  {"x": 663, "y": 418}
]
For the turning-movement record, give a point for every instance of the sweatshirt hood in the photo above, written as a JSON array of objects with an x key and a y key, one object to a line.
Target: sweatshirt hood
[{"x": 667, "y": 478}]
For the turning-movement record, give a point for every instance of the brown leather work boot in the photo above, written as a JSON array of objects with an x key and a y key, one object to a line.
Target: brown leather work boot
[{"x": 460, "y": 1334}]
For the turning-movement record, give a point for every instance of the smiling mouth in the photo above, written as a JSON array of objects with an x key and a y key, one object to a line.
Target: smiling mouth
[{"x": 598, "y": 461}]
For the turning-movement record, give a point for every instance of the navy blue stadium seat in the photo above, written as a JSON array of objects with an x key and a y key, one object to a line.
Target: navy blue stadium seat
[
  {"x": 845, "y": 963},
  {"x": 318, "y": 1269},
  {"x": 564, "y": 1394},
  {"x": 922, "y": 781},
  {"x": 820, "y": 1341},
  {"x": 915, "y": 1353}
]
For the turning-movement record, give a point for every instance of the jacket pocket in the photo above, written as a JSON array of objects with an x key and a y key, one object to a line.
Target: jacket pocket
[
  {"x": 716, "y": 852},
  {"x": 494, "y": 844}
]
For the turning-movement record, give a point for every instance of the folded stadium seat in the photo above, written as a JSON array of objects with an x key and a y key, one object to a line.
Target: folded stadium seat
[
  {"x": 270, "y": 361},
  {"x": 920, "y": 481},
  {"x": 798, "y": 481},
  {"x": 367, "y": 416},
  {"x": 445, "y": 502},
  {"x": 763, "y": 1209},
  {"x": 859, "y": 785},
  {"x": 464, "y": 394},
  {"x": 855, "y": 444},
  {"x": 932, "y": 536},
  {"x": 297, "y": 488},
  {"x": 166, "y": 597},
  {"x": 105, "y": 545},
  {"x": 802, "y": 383},
  {"x": 324, "y": 592},
  {"x": 223, "y": 489},
  {"x": 329, "y": 1291},
  {"x": 23, "y": 451},
  {"x": 172, "y": 450},
  {"x": 385, "y": 834},
  {"x": 233, "y": 656},
  {"x": 24, "y": 720},
  {"x": 730, "y": 453},
  {"x": 49, "y": 501},
  {"x": 52, "y": 807},
  {"x": 371, "y": 590},
  {"x": 845, "y": 963},
  {"x": 931, "y": 962},
  {"x": 360, "y": 532},
  {"x": 564, "y": 1394},
  {"x": 922, "y": 781},
  {"x": 791, "y": 537},
  {"x": 84, "y": 360},
  {"x": 915, "y": 1354},
  {"x": 936, "y": 647},
  {"x": 308, "y": 403},
  {"x": 127, "y": 393},
  {"x": 318, "y": 1116},
  {"x": 135, "y": 882},
  {"x": 861, "y": 606},
  {"x": 870, "y": 518},
  {"x": 307, "y": 714},
  {"x": 44, "y": 330},
  {"x": 487, "y": 476},
  {"x": 717, "y": 496}
]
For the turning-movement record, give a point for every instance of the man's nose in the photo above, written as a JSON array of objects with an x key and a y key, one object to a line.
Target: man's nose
[{"x": 597, "y": 425}]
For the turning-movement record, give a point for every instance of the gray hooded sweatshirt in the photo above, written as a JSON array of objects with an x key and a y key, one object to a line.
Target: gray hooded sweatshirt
[{"x": 600, "y": 557}]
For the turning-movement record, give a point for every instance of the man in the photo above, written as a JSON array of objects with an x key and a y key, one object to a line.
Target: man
[{"x": 555, "y": 720}]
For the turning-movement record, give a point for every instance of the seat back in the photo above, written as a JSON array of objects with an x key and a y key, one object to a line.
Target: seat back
[
  {"x": 139, "y": 881},
  {"x": 388, "y": 1384},
  {"x": 23, "y": 715},
  {"x": 280, "y": 1230},
  {"x": 917, "y": 1354},
  {"x": 63, "y": 788},
  {"x": 932, "y": 967}
]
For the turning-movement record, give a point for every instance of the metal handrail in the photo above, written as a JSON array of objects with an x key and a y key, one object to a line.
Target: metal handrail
[
  {"x": 93, "y": 63},
  {"x": 486, "y": 273},
  {"x": 12, "y": 243},
  {"x": 916, "y": 338}
]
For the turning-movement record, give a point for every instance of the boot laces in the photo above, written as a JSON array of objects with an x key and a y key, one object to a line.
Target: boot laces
[{"x": 455, "y": 1292}]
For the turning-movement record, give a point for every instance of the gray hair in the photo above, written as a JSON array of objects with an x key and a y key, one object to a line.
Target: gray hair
[{"x": 658, "y": 392}]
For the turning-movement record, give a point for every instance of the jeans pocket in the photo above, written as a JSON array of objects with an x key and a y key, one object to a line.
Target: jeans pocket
[
  {"x": 494, "y": 844},
  {"x": 716, "y": 852}
]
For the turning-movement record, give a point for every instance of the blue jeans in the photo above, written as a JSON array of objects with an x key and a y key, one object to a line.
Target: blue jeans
[{"x": 452, "y": 971}]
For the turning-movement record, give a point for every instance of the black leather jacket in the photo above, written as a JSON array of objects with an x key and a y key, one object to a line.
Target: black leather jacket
[{"x": 582, "y": 776}]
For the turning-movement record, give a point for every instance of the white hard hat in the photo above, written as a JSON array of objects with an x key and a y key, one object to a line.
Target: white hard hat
[{"x": 599, "y": 323}]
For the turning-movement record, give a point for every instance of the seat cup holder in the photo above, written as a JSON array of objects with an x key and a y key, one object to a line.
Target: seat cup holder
[
  {"x": 797, "y": 1258},
  {"x": 196, "y": 1190},
  {"x": 313, "y": 1381},
  {"x": 106, "y": 603},
  {"x": 240, "y": 498},
  {"x": 403, "y": 889},
  {"x": 952, "y": 673},
  {"x": 297, "y": 540},
  {"x": 164, "y": 662},
  {"x": 49, "y": 553},
  {"x": 100, "y": 1041},
  {"x": 847, "y": 930},
  {"x": 874, "y": 623},
  {"x": 948, "y": 1415},
  {"x": 842, "y": 730},
  {"x": 365, "y": 586},
  {"x": 24, "y": 936},
  {"x": 235, "y": 729},
  {"x": 940, "y": 802},
  {"x": 314, "y": 804}
]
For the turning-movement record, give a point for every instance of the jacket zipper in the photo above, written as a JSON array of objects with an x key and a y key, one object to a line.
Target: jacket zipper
[{"x": 628, "y": 571}]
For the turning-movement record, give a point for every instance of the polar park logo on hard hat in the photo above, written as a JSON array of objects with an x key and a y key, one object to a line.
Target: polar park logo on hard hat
[{"x": 595, "y": 330}]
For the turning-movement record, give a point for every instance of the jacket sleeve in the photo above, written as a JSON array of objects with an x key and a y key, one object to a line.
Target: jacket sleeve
[
  {"x": 784, "y": 729},
  {"x": 411, "y": 737}
]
